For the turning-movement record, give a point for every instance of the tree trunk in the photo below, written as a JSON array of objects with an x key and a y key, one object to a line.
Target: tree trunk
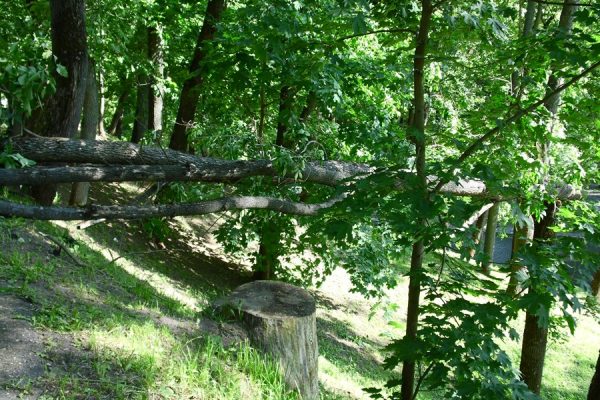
[
  {"x": 490, "y": 238},
  {"x": 478, "y": 233},
  {"x": 594, "y": 391},
  {"x": 596, "y": 285},
  {"x": 286, "y": 98},
  {"x": 115, "y": 126},
  {"x": 533, "y": 352},
  {"x": 156, "y": 91},
  {"x": 521, "y": 235},
  {"x": 62, "y": 111},
  {"x": 140, "y": 125},
  {"x": 10, "y": 209},
  {"x": 535, "y": 336},
  {"x": 90, "y": 125},
  {"x": 280, "y": 320},
  {"x": 418, "y": 138},
  {"x": 101, "y": 105},
  {"x": 190, "y": 93},
  {"x": 267, "y": 258}
]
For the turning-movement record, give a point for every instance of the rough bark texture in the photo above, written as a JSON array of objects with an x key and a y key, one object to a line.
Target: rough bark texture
[
  {"x": 122, "y": 161},
  {"x": 140, "y": 124},
  {"x": 478, "y": 233},
  {"x": 596, "y": 285},
  {"x": 594, "y": 391},
  {"x": 535, "y": 336},
  {"x": 190, "y": 93},
  {"x": 533, "y": 353},
  {"x": 330, "y": 173},
  {"x": 280, "y": 320},
  {"x": 117, "y": 118},
  {"x": 490, "y": 238},
  {"x": 10, "y": 209},
  {"x": 90, "y": 126},
  {"x": 62, "y": 111},
  {"x": 521, "y": 235},
  {"x": 156, "y": 90},
  {"x": 418, "y": 137}
]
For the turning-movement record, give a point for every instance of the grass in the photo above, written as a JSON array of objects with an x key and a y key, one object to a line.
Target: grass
[
  {"x": 126, "y": 307},
  {"x": 124, "y": 351}
]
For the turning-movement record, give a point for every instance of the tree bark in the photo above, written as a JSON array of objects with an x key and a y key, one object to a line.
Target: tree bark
[
  {"x": 267, "y": 258},
  {"x": 418, "y": 138},
  {"x": 62, "y": 111},
  {"x": 156, "y": 90},
  {"x": 533, "y": 353},
  {"x": 117, "y": 118},
  {"x": 521, "y": 235},
  {"x": 122, "y": 161},
  {"x": 478, "y": 233},
  {"x": 596, "y": 285},
  {"x": 10, "y": 209},
  {"x": 594, "y": 391},
  {"x": 281, "y": 321},
  {"x": 90, "y": 125},
  {"x": 190, "y": 93},
  {"x": 101, "y": 105},
  {"x": 490, "y": 238},
  {"x": 140, "y": 124},
  {"x": 535, "y": 335}
]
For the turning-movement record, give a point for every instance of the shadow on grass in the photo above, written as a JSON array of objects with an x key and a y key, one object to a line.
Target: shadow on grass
[{"x": 348, "y": 350}]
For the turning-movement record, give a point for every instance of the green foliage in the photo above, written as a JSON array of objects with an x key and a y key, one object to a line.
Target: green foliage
[{"x": 349, "y": 65}]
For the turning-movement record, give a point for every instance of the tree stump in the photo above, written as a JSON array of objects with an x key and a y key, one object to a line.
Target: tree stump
[{"x": 280, "y": 320}]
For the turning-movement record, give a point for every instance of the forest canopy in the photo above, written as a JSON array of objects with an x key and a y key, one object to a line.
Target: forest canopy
[{"x": 347, "y": 133}]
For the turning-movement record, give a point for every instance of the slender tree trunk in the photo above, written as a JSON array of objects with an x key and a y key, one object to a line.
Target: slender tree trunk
[
  {"x": 190, "y": 93},
  {"x": 521, "y": 235},
  {"x": 90, "y": 125},
  {"x": 140, "y": 124},
  {"x": 270, "y": 234},
  {"x": 156, "y": 91},
  {"x": 596, "y": 285},
  {"x": 490, "y": 238},
  {"x": 594, "y": 391},
  {"x": 533, "y": 352},
  {"x": 418, "y": 137},
  {"x": 115, "y": 127},
  {"x": 286, "y": 98},
  {"x": 62, "y": 111},
  {"x": 101, "y": 105},
  {"x": 535, "y": 335},
  {"x": 478, "y": 233}
]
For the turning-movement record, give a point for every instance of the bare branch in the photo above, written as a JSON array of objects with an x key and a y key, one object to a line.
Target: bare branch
[{"x": 92, "y": 212}]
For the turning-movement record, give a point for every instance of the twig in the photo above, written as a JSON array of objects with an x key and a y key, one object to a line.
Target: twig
[
  {"x": 421, "y": 379},
  {"x": 66, "y": 250}
]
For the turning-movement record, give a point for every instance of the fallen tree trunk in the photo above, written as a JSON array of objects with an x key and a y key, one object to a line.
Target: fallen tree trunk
[
  {"x": 10, "y": 209},
  {"x": 39, "y": 149},
  {"x": 330, "y": 173}
]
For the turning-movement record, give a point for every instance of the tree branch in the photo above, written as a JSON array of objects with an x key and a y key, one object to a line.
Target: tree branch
[
  {"x": 375, "y": 32},
  {"x": 515, "y": 117},
  {"x": 11, "y": 209},
  {"x": 564, "y": 3}
]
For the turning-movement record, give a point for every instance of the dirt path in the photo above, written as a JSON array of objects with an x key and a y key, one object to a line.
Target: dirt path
[{"x": 20, "y": 347}]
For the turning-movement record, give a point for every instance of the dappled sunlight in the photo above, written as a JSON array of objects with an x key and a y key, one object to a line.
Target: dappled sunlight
[{"x": 162, "y": 284}]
